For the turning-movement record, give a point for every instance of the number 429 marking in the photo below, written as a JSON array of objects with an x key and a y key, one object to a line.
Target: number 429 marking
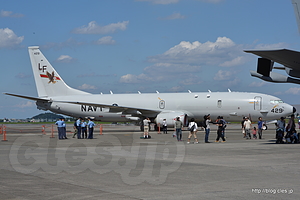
[{"x": 277, "y": 110}]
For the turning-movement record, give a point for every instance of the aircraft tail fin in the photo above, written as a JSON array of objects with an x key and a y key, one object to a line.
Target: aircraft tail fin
[
  {"x": 296, "y": 4},
  {"x": 48, "y": 81}
]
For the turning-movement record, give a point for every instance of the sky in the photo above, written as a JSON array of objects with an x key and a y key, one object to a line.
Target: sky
[{"x": 126, "y": 46}]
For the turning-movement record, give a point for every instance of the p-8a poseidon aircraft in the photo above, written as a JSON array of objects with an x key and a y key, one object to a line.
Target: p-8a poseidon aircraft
[{"x": 55, "y": 95}]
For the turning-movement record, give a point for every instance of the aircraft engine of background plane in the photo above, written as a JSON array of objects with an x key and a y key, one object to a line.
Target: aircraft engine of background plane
[{"x": 288, "y": 58}]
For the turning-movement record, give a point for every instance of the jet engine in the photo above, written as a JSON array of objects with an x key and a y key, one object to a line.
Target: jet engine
[
  {"x": 171, "y": 117},
  {"x": 264, "y": 72}
]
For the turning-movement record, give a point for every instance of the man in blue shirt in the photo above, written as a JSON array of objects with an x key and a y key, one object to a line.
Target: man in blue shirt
[
  {"x": 260, "y": 127},
  {"x": 91, "y": 125},
  {"x": 78, "y": 126},
  {"x": 60, "y": 128},
  {"x": 83, "y": 129}
]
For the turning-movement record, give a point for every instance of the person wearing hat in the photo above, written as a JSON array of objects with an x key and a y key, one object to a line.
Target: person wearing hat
[
  {"x": 78, "y": 126},
  {"x": 90, "y": 125}
]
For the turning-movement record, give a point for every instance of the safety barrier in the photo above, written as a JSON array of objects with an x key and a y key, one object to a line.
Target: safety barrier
[
  {"x": 48, "y": 129},
  {"x": 3, "y": 131}
]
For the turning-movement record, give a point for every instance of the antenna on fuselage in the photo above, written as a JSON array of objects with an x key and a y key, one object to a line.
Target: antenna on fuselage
[
  {"x": 139, "y": 92},
  {"x": 209, "y": 91},
  {"x": 229, "y": 90},
  {"x": 111, "y": 92},
  {"x": 157, "y": 92},
  {"x": 189, "y": 91}
]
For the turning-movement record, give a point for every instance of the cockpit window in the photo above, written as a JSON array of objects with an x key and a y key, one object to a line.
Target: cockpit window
[{"x": 276, "y": 101}]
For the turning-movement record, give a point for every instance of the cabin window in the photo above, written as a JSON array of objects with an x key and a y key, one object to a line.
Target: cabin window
[
  {"x": 276, "y": 101},
  {"x": 219, "y": 103}
]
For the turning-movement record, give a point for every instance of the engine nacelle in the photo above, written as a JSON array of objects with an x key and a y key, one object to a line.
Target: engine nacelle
[{"x": 171, "y": 117}]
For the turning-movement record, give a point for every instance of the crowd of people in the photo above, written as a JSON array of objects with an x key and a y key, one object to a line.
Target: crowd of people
[
  {"x": 284, "y": 133},
  {"x": 287, "y": 133},
  {"x": 81, "y": 128}
]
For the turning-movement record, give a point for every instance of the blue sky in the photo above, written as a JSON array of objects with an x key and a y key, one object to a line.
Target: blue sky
[{"x": 143, "y": 45}]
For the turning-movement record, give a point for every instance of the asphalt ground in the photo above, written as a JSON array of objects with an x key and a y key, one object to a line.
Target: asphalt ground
[{"x": 120, "y": 165}]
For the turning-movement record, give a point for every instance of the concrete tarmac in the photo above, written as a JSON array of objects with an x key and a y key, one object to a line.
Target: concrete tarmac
[{"x": 120, "y": 165}]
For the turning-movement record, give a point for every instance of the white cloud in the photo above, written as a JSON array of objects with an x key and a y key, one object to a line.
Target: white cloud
[
  {"x": 224, "y": 75},
  {"x": 4, "y": 13},
  {"x": 25, "y": 105},
  {"x": 65, "y": 59},
  {"x": 94, "y": 28},
  {"x": 162, "y": 72},
  {"x": 107, "y": 40},
  {"x": 173, "y": 17},
  {"x": 141, "y": 78},
  {"x": 258, "y": 84},
  {"x": 188, "y": 58},
  {"x": 271, "y": 46},
  {"x": 176, "y": 89},
  {"x": 234, "y": 62},
  {"x": 163, "y": 2},
  {"x": 87, "y": 87},
  {"x": 222, "y": 52},
  {"x": 293, "y": 91},
  {"x": 8, "y": 39}
]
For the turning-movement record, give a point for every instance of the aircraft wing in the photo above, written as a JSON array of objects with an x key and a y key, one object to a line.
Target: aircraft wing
[
  {"x": 286, "y": 57},
  {"x": 117, "y": 108},
  {"x": 27, "y": 97}
]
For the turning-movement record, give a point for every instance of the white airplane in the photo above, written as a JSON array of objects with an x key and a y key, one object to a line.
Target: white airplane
[
  {"x": 288, "y": 58},
  {"x": 55, "y": 95}
]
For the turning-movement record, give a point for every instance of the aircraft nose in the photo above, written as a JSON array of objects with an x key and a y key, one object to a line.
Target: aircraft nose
[{"x": 294, "y": 110}]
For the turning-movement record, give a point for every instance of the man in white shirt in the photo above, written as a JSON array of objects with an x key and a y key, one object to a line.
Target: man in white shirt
[
  {"x": 247, "y": 126},
  {"x": 146, "y": 127}
]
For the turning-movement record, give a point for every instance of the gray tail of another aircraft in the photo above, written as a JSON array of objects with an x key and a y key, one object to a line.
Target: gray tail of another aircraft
[
  {"x": 48, "y": 81},
  {"x": 296, "y": 4}
]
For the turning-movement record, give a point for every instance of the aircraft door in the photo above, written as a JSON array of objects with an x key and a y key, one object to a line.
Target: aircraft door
[
  {"x": 257, "y": 103},
  {"x": 162, "y": 104}
]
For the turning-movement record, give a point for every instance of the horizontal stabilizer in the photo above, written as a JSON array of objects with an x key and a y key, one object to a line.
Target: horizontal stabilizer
[{"x": 27, "y": 97}]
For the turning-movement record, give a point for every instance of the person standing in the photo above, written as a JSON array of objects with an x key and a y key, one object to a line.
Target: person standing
[
  {"x": 247, "y": 126},
  {"x": 220, "y": 124},
  {"x": 64, "y": 134},
  {"x": 178, "y": 128},
  {"x": 254, "y": 132},
  {"x": 193, "y": 129},
  {"x": 75, "y": 129},
  {"x": 90, "y": 125},
  {"x": 260, "y": 127},
  {"x": 165, "y": 126},
  {"x": 146, "y": 123},
  {"x": 83, "y": 129},
  {"x": 280, "y": 126},
  {"x": 224, "y": 126},
  {"x": 60, "y": 128},
  {"x": 243, "y": 128},
  {"x": 78, "y": 126},
  {"x": 207, "y": 127}
]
